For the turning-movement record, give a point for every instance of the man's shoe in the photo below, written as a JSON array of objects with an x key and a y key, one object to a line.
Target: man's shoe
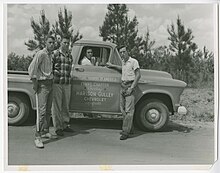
[
  {"x": 49, "y": 136},
  {"x": 124, "y": 137},
  {"x": 59, "y": 132},
  {"x": 68, "y": 129},
  {"x": 131, "y": 133},
  {"x": 38, "y": 143}
]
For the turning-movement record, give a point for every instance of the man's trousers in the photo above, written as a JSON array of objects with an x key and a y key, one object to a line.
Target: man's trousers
[{"x": 61, "y": 99}]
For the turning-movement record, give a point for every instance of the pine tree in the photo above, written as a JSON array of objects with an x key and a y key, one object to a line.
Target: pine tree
[
  {"x": 147, "y": 48},
  {"x": 118, "y": 28},
  {"x": 63, "y": 27},
  {"x": 41, "y": 31},
  {"x": 182, "y": 49},
  {"x": 144, "y": 50},
  {"x": 208, "y": 64},
  {"x": 148, "y": 44},
  {"x": 162, "y": 59}
]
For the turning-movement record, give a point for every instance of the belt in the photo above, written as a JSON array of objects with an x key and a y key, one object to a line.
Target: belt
[
  {"x": 46, "y": 81},
  {"x": 127, "y": 82}
]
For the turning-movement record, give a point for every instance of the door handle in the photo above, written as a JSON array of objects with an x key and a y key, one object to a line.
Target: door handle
[{"x": 79, "y": 69}]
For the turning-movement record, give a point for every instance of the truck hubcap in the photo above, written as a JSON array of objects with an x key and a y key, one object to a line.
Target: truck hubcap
[
  {"x": 153, "y": 115},
  {"x": 13, "y": 109}
]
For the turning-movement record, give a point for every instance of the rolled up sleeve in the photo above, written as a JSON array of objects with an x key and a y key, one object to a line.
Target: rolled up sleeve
[
  {"x": 33, "y": 68},
  {"x": 135, "y": 65}
]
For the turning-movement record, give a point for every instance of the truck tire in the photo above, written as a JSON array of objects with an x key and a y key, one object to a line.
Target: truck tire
[
  {"x": 152, "y": 115},
  {"x": 18, "y": 109}
]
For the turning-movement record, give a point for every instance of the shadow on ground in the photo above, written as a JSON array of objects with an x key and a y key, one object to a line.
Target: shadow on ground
[
  {"x": 83, "y": 125},
  {"x": 173, "y": 126},
  {"x": 116, "y": 124}
]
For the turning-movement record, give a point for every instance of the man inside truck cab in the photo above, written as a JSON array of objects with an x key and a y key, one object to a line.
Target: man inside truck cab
[{"x": 88, "y": 59}]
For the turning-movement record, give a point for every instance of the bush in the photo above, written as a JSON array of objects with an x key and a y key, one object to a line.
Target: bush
[{"x": 18, "y": 63}]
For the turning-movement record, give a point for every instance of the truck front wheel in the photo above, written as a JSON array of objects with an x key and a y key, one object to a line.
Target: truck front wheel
[
  {"x": 18, "y": 109},
  {"x": 152, "y": 115}
]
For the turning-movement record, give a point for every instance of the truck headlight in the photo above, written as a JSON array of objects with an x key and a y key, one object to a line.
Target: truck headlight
[{"x": 182, "y": 110}]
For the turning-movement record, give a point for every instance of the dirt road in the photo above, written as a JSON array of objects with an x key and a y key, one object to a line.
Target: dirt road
[{"x": 96, "y": 142}]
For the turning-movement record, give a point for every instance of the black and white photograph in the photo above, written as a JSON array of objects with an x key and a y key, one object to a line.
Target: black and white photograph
[{"x": 110, "y": 86}]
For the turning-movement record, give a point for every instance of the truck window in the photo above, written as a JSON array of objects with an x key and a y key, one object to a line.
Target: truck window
[{"x": 100, "y": 55}]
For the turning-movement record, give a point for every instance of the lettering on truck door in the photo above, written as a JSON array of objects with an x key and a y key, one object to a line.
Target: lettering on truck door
[{"x": 95, "y": 88}]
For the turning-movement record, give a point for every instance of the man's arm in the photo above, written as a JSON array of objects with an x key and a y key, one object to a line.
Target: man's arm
[
  {"x": 33, "y": 67},
  {"x": 32, "y": 70},
  {"x": 134, "y": 84},
  {"x": 35, "y": 84},
  {"x": 72, "y": 70},
  {"x": 137, "y": 77},
  {"x": 117, "y": 67}
]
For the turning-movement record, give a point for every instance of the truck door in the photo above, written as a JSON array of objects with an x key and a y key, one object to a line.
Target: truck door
[{"x": 95, "y": 88}]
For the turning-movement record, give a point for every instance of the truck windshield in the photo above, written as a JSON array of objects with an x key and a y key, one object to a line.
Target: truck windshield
[
  {"x": 75, "y": 52},
  {"x": 116, "y": 59}
]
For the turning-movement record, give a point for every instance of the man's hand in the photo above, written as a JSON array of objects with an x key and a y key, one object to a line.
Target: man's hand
[
  {"x": 109, "y": 65},
  {"x": 35, "y": 85},
  {"x": 93, "y": 60},
  {"x": 129, "y": 91}
]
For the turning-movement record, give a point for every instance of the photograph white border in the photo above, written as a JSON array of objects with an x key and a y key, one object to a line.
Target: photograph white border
[{"x": 127, "y": 168}]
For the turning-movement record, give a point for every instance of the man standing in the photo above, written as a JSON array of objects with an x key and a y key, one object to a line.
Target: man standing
[
  {"x": 129, "y": 80},
  {"x": 41, "y": 74},
  {"x": 62, "y": 63}
]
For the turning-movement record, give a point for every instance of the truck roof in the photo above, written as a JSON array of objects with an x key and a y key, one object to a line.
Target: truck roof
[{"x": 84, "y": 41}]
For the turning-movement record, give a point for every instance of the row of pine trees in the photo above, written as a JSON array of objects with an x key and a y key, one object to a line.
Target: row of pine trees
[{"x": 182, "y": 58}]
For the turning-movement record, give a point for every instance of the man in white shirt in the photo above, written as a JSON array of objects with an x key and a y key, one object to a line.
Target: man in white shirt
[
  {"x": 130, "y": 77},
  {"x": 41, "y": 74},
  {"x": 88, "y": 59}
]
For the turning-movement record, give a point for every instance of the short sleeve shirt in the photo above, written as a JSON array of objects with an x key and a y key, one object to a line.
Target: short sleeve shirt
[
  {"x": 128, "y": 69},
  {"x": 41, "y": 66},
  {"x": 86, "y": 61}
]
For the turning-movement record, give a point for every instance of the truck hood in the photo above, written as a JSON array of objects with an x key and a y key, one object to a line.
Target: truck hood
[
  {"x": 155, "y": 73},
  {"x": 160, "y": 78}
]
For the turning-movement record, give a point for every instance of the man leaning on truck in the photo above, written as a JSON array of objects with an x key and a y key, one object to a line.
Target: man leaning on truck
[
  {"x": 129, "y": 80},
  {"x": 41, "y": 74},
  {"x": 62, "y": 64}
]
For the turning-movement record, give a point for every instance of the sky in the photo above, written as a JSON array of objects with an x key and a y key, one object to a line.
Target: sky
[{"x": 87, "y": 18}]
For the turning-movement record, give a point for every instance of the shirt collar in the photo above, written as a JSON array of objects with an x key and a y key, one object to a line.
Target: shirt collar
[
  {"x": 86, "y": 58},
  {"x": 129, "y": 60},
  {"x": 64, "y": 54},
  {"x": 47, "y": 52}
]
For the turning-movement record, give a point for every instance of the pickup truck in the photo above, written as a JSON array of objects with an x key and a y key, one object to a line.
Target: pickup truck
[{"x": 95, "y": 89}]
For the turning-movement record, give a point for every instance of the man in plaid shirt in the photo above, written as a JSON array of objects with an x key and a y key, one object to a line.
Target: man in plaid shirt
[{"x": 62, "y": 64}]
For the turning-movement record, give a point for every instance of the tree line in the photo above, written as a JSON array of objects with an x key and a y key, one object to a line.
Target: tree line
[{"x": 182, "y": 57}]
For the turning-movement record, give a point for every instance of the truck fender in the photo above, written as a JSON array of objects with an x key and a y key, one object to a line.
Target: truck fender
[
  {"x": 27, "y": 93},
  {"x": 151, "y": 93}
]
